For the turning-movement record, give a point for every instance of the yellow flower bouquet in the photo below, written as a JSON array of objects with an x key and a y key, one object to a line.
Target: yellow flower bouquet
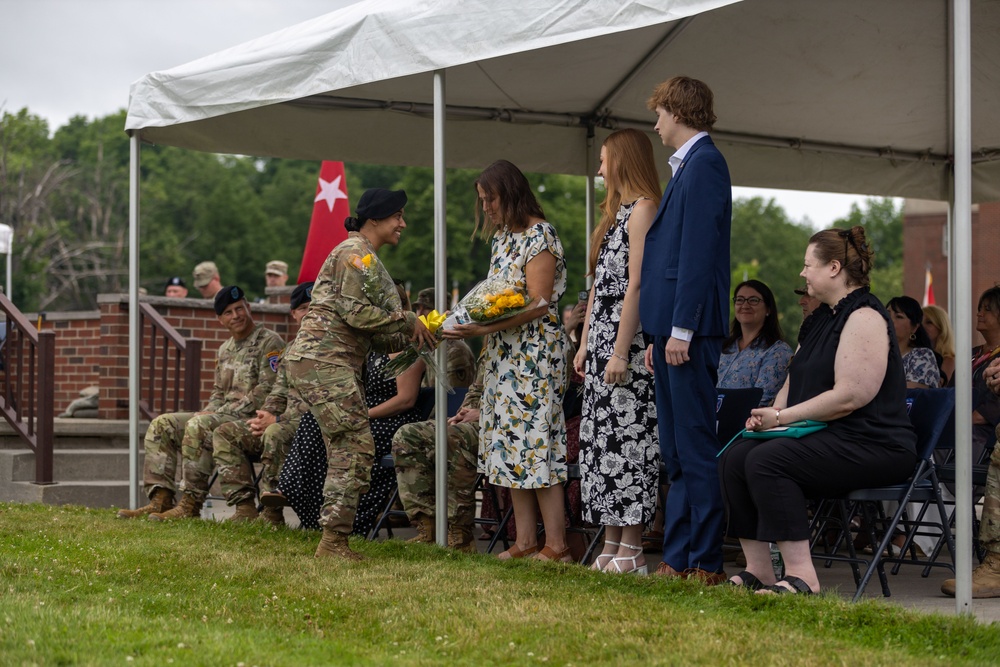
[
  {"x": 490, "y": 301},
  {"x": 433, "y": 321}
]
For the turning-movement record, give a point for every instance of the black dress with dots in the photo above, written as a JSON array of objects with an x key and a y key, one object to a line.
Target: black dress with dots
[{"x": 304, "y": 471}]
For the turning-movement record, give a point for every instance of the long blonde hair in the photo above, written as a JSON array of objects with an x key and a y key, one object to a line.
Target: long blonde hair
[
  {"x": 945, "y": 343},
  {"x": 628, "y": 167}
]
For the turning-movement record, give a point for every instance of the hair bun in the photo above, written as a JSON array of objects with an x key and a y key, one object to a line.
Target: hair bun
[{"x": 352, "y": 224}]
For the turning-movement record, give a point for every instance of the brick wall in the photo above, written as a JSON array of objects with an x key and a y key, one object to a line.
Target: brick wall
[
  {"x": 92, "y": 346},
  {"x": 924, "y": 241}
]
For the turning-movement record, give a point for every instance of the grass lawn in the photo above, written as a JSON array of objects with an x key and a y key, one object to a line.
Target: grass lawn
[{"x": 80, "y": 587}]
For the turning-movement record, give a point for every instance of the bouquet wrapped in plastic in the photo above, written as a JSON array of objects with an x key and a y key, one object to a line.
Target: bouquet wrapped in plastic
[
  {"x": 433, "y": 321},
  {"x": 490, "y": 301}
]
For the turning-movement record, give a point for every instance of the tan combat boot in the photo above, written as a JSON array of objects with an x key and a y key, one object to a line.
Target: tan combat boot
[
  {"x": 161, "y": 501},
  {"x": 425, "y": 530},
  {"x": 189, "y": 508},
  {"x": 274, "y": 516},
  {"x": 245, "y": 511},
  {"x": 334, "y": 545},
  {"x": 460, "y": 538},
  {"x": 985, "y": 579}
]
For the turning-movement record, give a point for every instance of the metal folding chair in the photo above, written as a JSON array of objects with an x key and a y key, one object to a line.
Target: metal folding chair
[{"x": 929, "y": 411}]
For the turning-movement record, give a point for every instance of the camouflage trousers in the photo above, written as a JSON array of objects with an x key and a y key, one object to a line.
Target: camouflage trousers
[
  {"x": 196, "y": 448},
  {"x": 190, "y": 435},
  {"x": 163, "y": 447},
  {"x": 989, "y": 528},
  {"x": 413, "y": 455},
  {"x": 234, "y": 444},
  {"x": 335, "y": 399}
]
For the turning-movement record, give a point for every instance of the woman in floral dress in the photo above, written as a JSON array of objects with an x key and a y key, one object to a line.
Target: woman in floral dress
[
  {"x": 619, "y": 448},
  {"x": 523, "y": 432}
]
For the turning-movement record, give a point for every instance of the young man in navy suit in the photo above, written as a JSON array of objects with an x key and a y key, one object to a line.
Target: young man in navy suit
[{"x": 684, "y": 310}]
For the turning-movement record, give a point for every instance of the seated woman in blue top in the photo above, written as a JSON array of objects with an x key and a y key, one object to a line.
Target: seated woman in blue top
[
  {"x": 848, "y": 373},
  {"x": 920, "y": 362},
  {"x": 754, "y": 355}
]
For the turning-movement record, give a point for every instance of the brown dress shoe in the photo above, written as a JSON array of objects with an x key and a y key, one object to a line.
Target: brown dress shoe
[
  {"x": 664, "y": 570},
  {"x": 704, "y": 576}
]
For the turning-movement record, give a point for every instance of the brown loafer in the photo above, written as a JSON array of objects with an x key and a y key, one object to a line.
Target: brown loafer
[
  {"x": 704, "y": 576},
  {"x": 516, "y": 552},
  {"x": 664, "y": 570}
]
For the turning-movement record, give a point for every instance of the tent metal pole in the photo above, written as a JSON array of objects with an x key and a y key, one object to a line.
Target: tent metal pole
[
  {"x": 962, "y": 311},
  {"x": 591, "y": 212},
  {"x": 440, "y": 301},
  {"x": 133, "y": 321}
]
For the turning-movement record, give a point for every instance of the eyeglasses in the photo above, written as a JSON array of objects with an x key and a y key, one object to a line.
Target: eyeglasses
[{"x": 752, "y": 300}]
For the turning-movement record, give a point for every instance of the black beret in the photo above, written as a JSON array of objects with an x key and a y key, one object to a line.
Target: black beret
[
  {"x": 379, "y": 203},
  {"x": 302, "y": 294},
  {"x": 226, "y": 296},
  {"x": 175, "y": 281}
]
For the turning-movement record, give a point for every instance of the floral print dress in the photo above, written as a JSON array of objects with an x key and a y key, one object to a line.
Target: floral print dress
[
  {"x": 523, "y": 440},
  {"x": 619, "y": 447}
]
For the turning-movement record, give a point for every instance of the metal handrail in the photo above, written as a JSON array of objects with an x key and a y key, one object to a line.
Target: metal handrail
[
  {"x": 27, "y": 399},
  {"x": 168, "y": 347}
]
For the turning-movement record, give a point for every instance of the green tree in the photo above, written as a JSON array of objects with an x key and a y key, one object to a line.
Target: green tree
[{"x": 766, "y": 245}]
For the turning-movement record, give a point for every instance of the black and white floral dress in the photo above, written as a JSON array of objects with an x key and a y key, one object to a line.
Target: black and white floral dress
[{"x": 619, "y": 448}]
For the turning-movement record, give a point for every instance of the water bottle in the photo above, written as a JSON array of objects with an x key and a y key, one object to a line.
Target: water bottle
[{"x": 776, "y": 562}]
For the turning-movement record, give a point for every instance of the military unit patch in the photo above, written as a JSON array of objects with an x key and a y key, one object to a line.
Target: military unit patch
[{"x": 272, "y": 359}]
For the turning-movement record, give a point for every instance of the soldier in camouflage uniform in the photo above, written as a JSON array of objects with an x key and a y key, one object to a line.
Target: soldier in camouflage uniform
[
  {"x": 268, "y": 435},
  {"x": 354, "y": 309},
  {"x": 461, "y": 368},
  {"x": 986, "y": 577},
  {"x": 413, "y": 454},
  {"x": 244, "y": 372}
]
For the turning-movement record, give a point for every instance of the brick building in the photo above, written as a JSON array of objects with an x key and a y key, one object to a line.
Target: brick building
[{"x": 926, "y": 243}]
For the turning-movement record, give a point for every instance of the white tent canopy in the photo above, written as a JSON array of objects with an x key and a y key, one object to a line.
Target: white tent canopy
[{"x": 849, "y": 96}]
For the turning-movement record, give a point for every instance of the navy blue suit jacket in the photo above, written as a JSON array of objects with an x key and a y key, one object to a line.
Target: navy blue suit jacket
[{"x": 685, "y": 262}]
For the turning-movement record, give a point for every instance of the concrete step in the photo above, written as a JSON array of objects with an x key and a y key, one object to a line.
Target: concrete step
[
  {"x": 68, "y": 465},
  {"x": 101, "y": 493},
  {"x": 78, "y": 434}
]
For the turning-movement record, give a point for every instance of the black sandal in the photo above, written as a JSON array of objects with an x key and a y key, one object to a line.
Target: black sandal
[
  {"x": 749, "y": 581},
  {"x": 798, "y": 586}
]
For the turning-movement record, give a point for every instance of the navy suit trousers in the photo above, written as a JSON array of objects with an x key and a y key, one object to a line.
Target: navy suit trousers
[{"x": 686, "y": 408}]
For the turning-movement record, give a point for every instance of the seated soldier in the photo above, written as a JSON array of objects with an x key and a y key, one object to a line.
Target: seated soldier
[
  {"x": 268, "y": 434},
  {"x": 461, "y": 368},
  {"x": 413, "y": 454},
  {"x": 245, "y": 370}
]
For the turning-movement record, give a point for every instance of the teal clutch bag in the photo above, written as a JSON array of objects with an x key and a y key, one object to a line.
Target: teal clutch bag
[{"x": 791, "y": 430}]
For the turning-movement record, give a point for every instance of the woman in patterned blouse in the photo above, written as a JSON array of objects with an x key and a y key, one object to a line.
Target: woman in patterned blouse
[
  {"x": 754, "y": 355},
  {"x": 919, "y": 361}
]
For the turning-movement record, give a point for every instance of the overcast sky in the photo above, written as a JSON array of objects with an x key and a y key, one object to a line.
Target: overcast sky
[{"x": 62, "y": 58}]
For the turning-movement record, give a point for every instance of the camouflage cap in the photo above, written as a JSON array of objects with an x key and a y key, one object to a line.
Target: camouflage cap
[
  {"x": 425, "y": 298},
  {"x": 204, "y": 272},
  {"x": 276, "y": 268}
]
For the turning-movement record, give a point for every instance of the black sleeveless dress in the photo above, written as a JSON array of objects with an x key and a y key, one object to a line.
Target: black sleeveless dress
[{"x": 766, "y": 483}]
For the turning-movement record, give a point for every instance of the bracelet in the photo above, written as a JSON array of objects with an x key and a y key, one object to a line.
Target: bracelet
[
  {"x": 777, "y": 416},
  {"x": 618, "y": 356}
]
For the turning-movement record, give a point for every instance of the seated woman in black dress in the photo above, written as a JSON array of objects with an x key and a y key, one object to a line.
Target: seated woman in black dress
[{"x": 847, "y": 372}]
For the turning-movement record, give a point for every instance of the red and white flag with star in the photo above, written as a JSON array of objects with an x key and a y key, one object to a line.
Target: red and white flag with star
[{"x": 326, "y": 229}]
